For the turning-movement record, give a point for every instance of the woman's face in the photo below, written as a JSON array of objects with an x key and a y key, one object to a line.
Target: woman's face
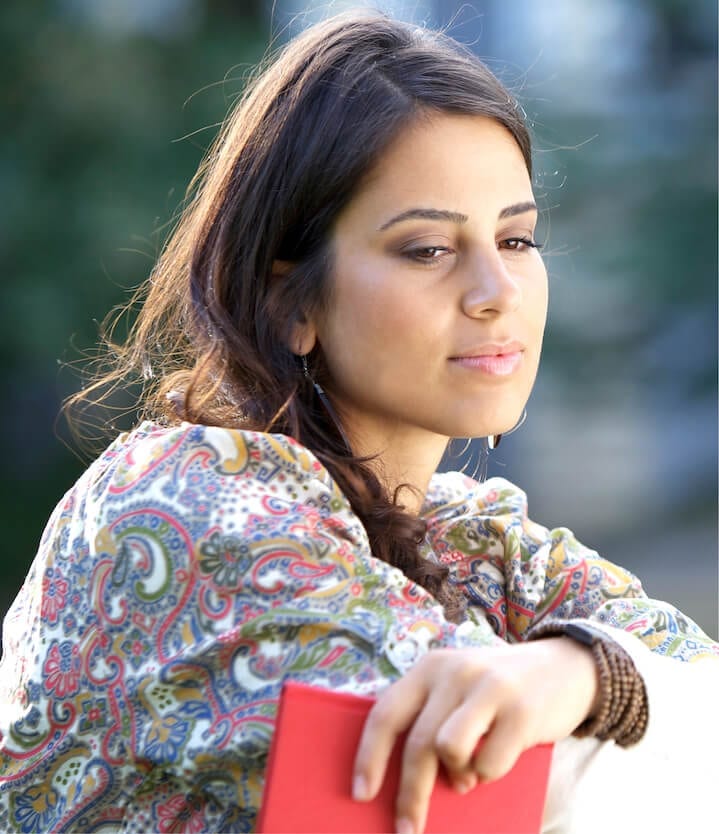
[{"x": 438, "y": 299}]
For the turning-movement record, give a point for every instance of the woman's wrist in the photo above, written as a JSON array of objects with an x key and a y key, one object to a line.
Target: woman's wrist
[
  {"x": 619, "y": 707},
  {"x": 584, "y": 672}
]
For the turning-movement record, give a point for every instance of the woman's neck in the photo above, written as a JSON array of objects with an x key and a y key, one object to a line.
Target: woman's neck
[{"x": 402, "y": 459}]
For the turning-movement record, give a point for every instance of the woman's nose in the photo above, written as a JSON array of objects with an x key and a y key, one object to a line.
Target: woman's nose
[{"x": 491, "y": 288}]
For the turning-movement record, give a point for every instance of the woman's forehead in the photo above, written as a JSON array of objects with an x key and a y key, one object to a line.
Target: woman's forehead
[{"x": 445, "y": 158}]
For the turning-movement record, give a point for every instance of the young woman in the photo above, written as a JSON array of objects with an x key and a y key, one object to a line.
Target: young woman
[{"x": 354, "y": 281}]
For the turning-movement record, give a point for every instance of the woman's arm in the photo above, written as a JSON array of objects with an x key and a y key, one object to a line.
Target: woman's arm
[{"x": 525, "y": 576}]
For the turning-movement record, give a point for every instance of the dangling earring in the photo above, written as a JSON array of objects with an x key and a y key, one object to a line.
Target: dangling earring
[
  {"x": 493, "y": 440},
  {"x": 463, "y": 450},
  {"x": 324, "y": 399},
  {"x": 519, "y": 424}
]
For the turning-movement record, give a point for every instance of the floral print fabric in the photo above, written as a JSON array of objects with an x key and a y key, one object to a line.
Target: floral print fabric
[{"x": 191, "y": 570}]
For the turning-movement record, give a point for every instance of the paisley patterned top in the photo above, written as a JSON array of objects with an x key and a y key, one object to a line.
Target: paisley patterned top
[{"x": 192, "y": 569}]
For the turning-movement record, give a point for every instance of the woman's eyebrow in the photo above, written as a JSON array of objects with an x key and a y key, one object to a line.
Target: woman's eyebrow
[
  {"x": 426, "y": 214},
  {"x": 454, "y": 216},
  {"x": 517, "y": 208}
]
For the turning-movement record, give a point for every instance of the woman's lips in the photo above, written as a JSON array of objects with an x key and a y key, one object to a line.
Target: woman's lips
[{"x": 496, "y": 364}]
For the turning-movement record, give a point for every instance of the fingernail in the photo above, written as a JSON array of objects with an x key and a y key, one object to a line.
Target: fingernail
[
  {"x": 404, "y": 826},
  {"x": 359, "y": 789},
  {"x": 465, "y": 784}
]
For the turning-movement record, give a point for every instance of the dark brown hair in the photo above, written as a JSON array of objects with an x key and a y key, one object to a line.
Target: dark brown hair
[{"x": 211, "y": 341}]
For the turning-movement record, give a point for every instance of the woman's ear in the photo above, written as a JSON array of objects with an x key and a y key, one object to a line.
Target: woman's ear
[
  {"x": 303, "y": 335},
  {"x": 281, "y": 268}
]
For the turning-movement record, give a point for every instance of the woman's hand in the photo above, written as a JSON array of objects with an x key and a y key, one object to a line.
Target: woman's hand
[{"x": 513, "y": 697}]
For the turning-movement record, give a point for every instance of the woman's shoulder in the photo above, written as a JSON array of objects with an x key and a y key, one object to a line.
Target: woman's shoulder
[
  {"x": 181, "y": 495},
  {"x": 153, "y": 452},
  {"x": 195, "y": 478}
]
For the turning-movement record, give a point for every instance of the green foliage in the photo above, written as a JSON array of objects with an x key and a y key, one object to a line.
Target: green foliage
[{"x": 103, "y": 134}]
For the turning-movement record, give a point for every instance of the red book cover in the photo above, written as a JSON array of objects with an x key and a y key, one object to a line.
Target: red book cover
[{"x": 309, "y": 777}]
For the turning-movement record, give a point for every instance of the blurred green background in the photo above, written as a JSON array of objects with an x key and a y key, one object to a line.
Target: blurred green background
[{"x": 109, "y": 104}]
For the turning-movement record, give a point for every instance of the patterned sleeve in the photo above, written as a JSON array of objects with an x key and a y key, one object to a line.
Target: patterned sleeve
[
  {"x": 181, "y": 583},
  {"x": 522, "y": 574}
]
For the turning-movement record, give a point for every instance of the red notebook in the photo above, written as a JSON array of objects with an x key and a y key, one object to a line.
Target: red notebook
[{"x": 309, "y": 776}]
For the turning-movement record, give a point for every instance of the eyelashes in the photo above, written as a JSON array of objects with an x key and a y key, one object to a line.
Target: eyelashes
[
  {"x": 432, "y": 255},
  {"x": 427, "y": 255},
  {"x": 520, "y": 244}
]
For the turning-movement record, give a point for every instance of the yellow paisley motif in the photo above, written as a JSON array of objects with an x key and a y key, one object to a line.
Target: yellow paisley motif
[{"x": 231, "y": 464}]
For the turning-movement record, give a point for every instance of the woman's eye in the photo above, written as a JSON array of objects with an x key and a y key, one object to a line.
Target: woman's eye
[
  {"x": 519, "y": 244},
  {"x": 427, "y": 254}
]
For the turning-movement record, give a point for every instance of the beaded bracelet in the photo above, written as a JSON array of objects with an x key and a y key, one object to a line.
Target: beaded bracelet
[{"x": 623, "y": 710}]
